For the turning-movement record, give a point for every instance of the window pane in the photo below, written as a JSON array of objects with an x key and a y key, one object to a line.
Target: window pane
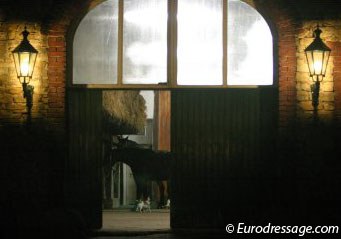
[
  {"x": 145, "y": 42},
  {"x": 95, "y": 46},
  {"x": 200, "y": 50},
  {"x": 250, "y": 57}
]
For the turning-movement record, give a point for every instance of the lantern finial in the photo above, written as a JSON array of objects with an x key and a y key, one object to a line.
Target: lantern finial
[{"x": 317, "y": 32}]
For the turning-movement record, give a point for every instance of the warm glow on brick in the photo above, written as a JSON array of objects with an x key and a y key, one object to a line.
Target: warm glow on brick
[
  {"x": 303, "y": 81},
  {"x": 12, "y": 93}
]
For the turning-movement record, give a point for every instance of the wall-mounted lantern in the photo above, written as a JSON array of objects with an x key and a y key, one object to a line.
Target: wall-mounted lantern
[
  {"x": 317, "y": 54},
  {"x": 25, "y": 56}
]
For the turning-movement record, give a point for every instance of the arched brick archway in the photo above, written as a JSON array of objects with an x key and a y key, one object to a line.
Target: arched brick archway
[
  {"x": 60, "y": 32},
  {"x": 283, "y": 19}
]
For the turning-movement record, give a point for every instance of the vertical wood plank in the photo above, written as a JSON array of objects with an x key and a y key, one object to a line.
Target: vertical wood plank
[
  {"x": 217, "y": 137},
  {"x": 83, "y": 187}
]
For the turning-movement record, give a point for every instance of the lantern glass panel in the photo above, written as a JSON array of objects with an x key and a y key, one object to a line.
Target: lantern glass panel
[
  {"x": 318, "y": 60},
  {"x": 17, "y": 63},
  {"x": 325, "y": 62},
  {"x": 24, "y": 63},
  {"x": 310, "y": 61},
  {"x": 33, "y": 59},
  {"x": 24, "y": 58}
]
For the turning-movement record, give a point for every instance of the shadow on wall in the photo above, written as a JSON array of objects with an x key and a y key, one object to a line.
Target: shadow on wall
[{"x": 32, "y": 168}]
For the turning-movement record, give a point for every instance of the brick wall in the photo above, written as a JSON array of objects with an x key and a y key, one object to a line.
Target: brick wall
[
  {"x": 306, "y": 165},
  {"x": 336, "y": 56},
  {"x": 62, "y": 19},
  {"x": 56, "y": 72},
  {"x": 48, "y": 31},
  {"x": 292, "y": 29},
  {"x": 286, "y": 71},
  {"x": 32, "y": 160},
  {"x": 283, "y": 25}
]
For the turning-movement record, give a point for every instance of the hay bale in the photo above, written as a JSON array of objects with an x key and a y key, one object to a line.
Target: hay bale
[{"x": 124, "y": 111}]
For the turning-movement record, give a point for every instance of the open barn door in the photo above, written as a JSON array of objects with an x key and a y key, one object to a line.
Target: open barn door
[{"x": 83, "y": 167}]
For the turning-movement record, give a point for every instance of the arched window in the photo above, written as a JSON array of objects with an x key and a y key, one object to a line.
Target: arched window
[
  {"x": 95, "y": 46},
  {"x": 211, "y": 42},
  {"x": 250, "y": 56}
]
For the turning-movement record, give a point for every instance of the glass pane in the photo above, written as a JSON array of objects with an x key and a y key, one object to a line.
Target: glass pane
[
  {"x": 200, "y": 50},
  {"x": 318, "y": 58},
  {"x": 145, "y": 42},
  {"x": 17, "y": 63},
  {"x": 24, "y": 59},
  {"x": 310, "y": 61},
  {"x": 95, "y": 46},
  {"x": 32, "y": 63},
  {"x": 250, "y": 57},
  {"x": 325, "y": 62}
]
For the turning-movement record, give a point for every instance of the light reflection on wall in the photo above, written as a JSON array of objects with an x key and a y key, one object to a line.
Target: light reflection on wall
[
  {"x": 12, "y": 93},
  {"x": 326, "y": 107}
]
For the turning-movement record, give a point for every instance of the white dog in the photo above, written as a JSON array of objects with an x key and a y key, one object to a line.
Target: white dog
[
  {"x": 143, "y": 205},
  {"x": 168, "y": 204}
]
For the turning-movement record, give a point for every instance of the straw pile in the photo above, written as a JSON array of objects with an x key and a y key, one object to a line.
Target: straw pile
[{"x": 124, "y": 111}]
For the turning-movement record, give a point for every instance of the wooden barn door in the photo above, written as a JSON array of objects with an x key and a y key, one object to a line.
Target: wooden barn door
[
  {"x": 224, "y": 146},
  {"x": 83, "y": 168}
]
